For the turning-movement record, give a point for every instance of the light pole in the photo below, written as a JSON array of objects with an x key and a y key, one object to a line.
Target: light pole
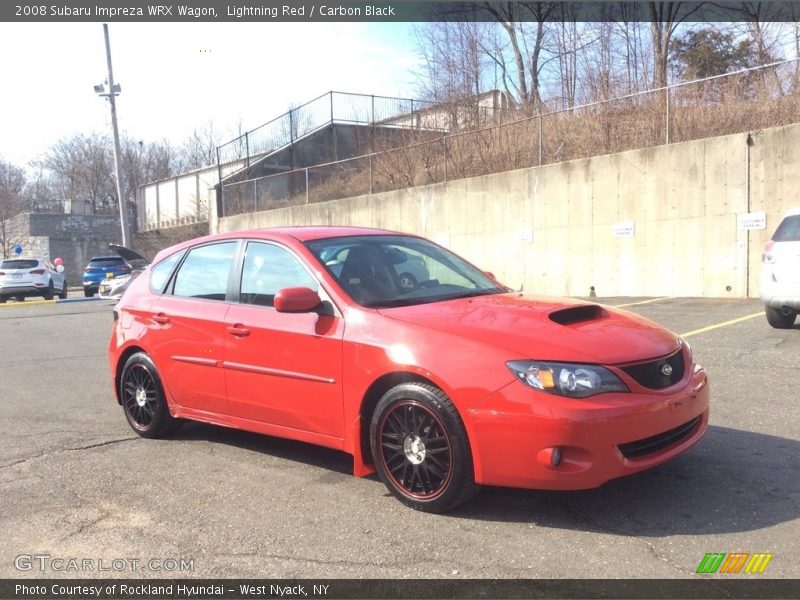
[{"x": 111, "y": 93}]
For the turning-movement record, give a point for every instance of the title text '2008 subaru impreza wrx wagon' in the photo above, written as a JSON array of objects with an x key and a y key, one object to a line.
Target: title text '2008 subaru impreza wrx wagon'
[{"x": 442, "y": 386}]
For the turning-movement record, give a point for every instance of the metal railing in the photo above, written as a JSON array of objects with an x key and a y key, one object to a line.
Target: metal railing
[
  {"x": 755, "y": 98},
  {"x": 331, "y": 107}
]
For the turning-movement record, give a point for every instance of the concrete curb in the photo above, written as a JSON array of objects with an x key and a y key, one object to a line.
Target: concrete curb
[{"x": 53, "y": 301}]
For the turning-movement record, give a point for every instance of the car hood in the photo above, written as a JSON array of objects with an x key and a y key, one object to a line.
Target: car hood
[
  {"x": 133, "y": 257},
  {"x": 544, "y": 328}
]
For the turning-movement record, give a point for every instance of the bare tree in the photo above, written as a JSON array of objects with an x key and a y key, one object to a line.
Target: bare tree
[
  {"x": 664, "y": 20},
  {"x": 525, "y": 25},
  {"x": 12, "y": 184},
  {"x": 82, "y": 169},
  {"x": 200, "y": 148}
]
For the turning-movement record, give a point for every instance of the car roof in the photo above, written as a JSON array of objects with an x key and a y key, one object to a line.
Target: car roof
[
  {"x": 22, "y": 258},
  {"x": 793, "y": 211},
  {"x": 301, "y": 234}
]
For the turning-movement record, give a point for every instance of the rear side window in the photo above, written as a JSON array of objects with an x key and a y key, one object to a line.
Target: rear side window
[
  {"x": 159, "y": 274},
  {"x": 19, "y": 264},
  {"x": 204, "y": 272},
  {"x": 788, "y": 230}
]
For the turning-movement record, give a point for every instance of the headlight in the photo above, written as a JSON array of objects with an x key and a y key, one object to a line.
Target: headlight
[{"x": 566, "y": 379}]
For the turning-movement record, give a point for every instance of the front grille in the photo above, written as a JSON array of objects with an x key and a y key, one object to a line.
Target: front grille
[
  {"x": 658, "y": 442},
  {"x": 651, "y": 374}
]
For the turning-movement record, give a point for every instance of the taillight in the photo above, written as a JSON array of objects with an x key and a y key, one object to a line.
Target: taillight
[
  {"x": 767, "y": 257},
  {"x": 37, "y": 272}
]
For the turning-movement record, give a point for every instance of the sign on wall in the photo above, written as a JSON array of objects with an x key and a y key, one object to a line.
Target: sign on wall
[
  {"x": 752, "y": 220},
  {"x": 623, "y": 229}
]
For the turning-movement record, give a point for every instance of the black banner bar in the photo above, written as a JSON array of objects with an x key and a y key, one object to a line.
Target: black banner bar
[
  {"x": 701, "y": 588},
  {"x": 321, "y": 11}
]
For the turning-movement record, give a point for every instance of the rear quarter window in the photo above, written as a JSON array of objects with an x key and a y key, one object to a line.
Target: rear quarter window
[
  {"x": 160, "y": 274},
  {"x": 788, "y": 230}
]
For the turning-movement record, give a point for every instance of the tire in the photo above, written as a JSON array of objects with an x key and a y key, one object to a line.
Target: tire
[
  {"x": 19, "y": 298},
  {"x": 3, "y": 299},
  {"x": 50, "y": 292},
  {"x": 407, "y": 281},
  {"x": 778, "y": 320},
  {"x": 142, "y": 396},
  {"x": 420, "y": 448},
  {"x": 64, "y": 291},
  {"x": 88, "y": 293}
]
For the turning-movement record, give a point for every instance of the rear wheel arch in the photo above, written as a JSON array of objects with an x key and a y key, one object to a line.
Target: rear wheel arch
[{"x": 123, "y": 358}]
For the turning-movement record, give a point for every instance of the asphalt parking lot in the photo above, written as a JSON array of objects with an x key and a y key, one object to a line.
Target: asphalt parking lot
[{"x": 76, "y": 482}]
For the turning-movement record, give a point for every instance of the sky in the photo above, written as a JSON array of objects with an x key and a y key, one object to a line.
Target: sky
[{"x": 176, "y": 77}]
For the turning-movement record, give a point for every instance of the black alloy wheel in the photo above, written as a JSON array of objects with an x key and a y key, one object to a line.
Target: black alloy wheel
[
  {"x": 142, "y": 398},
  {"x": 420, "y": 448}
]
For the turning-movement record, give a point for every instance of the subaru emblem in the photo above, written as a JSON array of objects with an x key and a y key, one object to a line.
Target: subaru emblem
[{"x": 666, "y": 370}]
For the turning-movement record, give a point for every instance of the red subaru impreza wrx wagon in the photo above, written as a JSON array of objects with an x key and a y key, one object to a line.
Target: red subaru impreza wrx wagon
[{"x": 313, "y": 334}]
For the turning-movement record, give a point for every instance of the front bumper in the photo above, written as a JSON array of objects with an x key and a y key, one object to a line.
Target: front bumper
[{"x": 512, "y": 430}]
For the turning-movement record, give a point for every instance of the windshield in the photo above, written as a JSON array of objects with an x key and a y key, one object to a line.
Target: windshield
[{"x": 383, "y": 271}]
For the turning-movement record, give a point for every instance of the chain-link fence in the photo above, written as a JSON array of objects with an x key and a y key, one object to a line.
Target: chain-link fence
[{"x": 766, "y": 96}]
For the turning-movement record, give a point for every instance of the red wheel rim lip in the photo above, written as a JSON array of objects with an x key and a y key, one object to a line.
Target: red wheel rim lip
[{"x": 448, "y": 476}]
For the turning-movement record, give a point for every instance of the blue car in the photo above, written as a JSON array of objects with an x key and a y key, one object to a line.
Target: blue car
[{"x": 100, "y": 268}]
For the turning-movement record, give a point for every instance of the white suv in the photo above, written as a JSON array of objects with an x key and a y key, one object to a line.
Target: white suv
[
  {"x": 780, "y": 275},
  {"x": 23, "y": 277}
]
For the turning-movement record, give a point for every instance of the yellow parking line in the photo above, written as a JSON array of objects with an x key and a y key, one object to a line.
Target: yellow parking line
[
  {"x": 26, "y": 303},
  {"x": 723, "y": 324},
  {"x": 641, "y": 302}
]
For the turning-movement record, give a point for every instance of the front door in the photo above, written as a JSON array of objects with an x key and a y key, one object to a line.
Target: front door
[{"x": 282, "y": 368}]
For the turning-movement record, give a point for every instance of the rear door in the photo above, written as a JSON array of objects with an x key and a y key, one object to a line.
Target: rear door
[
  {"x": 187, "y": 325},
  {"x": 283, "y": 368}
]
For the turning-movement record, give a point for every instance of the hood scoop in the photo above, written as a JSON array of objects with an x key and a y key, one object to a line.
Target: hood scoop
[{"x": 578, "y": 314}]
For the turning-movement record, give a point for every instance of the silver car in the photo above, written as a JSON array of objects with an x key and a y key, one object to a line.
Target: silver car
[
  {"x": 780, "y": 274},
  {"x": 24, "y": 277},
  {"x": 113, "y": 287}
]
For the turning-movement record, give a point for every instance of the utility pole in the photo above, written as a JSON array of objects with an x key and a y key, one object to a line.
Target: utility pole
[{"x": 113, "y": 91}]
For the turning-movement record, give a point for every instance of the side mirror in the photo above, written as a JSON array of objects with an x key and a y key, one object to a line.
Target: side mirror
[
  {"x": 490, "y": 275},
  {"x": 296, "y": 300}
]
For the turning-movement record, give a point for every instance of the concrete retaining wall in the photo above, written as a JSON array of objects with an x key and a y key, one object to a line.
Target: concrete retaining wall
[
  {"x": 552, "y": 228},
  {"x": 74, "y": 238}
]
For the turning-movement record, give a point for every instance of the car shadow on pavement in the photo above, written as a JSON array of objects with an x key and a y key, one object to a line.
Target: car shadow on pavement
[
  {"x": 733, "y": 481},
  {"x": 309, "y": 454}
]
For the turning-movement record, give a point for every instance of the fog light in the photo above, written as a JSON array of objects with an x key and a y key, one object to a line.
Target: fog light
[{"x": 549, "y": 457}]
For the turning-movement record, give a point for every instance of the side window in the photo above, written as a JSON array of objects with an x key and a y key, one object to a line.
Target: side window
[
  {"x": 204, "y": 273},
  {"x": 159, "y": 274},
  {"x": 266, "y": 270}
]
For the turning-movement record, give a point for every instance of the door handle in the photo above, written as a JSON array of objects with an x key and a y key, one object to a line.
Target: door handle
[
  {"x": 161, "y": 319},
  {"x": 238, "y": 330}
]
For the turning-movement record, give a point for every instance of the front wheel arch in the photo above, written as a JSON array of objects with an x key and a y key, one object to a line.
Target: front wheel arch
[
  {"x": 421, "y": 448},
  {"x": 372, "y": 396}
]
